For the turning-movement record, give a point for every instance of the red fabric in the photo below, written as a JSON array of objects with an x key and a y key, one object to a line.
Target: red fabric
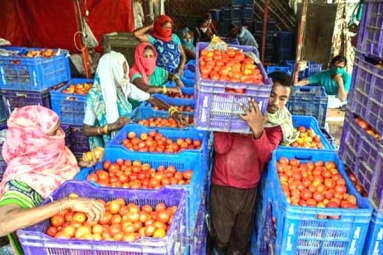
[
  {"x": 40, "y": 160},
  {"x": 143, "y": 66},
  {"x": 159, "y": 32},
  {"x": 239, "y": 160},
  {"x": 42, "y": 23}
]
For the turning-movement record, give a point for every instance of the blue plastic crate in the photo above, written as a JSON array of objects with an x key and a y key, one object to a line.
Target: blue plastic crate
[
  {"x": 3, "y": 115},
  {"x": 18, "y": 98},
  {"x": 69, "y": 107},
  {"x": 310, "y": 122},
  {"x": 198, "y": 240},
  {"x": 270, "y": 69},
  {"x": 248, "y": 12},
  {"x": 215, "y": 14},
  {"x": 271, "y": 26},
  {"x": 35, "y": 241},
  {"x": 367, "y": 97},
  {"x": 291, "y": 64},
  {"x": 79, "y": 143},
  {"x": 217, "y": 110},
  {"x": 188, "y": 161},
  {"x": 18, "y": 72},
  {"x": 370, "y": 42},
  {"x": 374, "y": 239},
  {"x": 309, "y": 101},
  {"x": 313, "y": 68},
  {"x": 300, "y": 230},
  {"x": 363, "y": 154}
]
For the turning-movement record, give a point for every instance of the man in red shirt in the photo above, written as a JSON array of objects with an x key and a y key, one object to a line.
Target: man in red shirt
[{"x": 238, "y": 164}]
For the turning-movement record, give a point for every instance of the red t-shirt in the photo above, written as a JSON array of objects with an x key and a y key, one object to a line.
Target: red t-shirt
[{"x": 239, "y": 159}]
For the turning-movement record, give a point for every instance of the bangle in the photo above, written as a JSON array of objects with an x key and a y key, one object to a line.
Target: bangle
[
  {"x": 70, "y": 203},
  {"x": 175, "y": 77},
  {"x": 106, "y": 129},
  {"x": 99, "y": 131},
  {"x": 164, "y": 90}
]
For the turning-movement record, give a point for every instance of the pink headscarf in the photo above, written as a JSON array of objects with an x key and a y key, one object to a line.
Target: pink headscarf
[
  {"x": 43, "y": 162},
  {"x": 143, "y": 66}
]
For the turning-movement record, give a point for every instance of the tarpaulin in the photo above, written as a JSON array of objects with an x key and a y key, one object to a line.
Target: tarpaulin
[{"x": 47, "y": 23}]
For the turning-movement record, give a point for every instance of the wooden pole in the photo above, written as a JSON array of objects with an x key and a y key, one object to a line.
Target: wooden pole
[
  {"x": 84, "y": 49},
  {"x": 264, "y": 35},
  {"x": 300, "y": 41}
]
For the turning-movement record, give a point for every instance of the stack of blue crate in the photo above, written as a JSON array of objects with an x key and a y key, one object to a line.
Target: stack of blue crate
[{"x": 270, "y": 38}]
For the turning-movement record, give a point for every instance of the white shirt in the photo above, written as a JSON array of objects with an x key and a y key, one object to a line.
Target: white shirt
[{"x": 131, "y": 92}]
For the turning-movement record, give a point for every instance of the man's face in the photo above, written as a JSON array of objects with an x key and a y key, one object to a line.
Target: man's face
[
  {"x": 278, "y": 97},
  {"x": 339, "y": 64}
]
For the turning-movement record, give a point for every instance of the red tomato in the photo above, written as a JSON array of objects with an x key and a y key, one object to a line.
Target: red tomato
[{"x": 57, "y": 220}]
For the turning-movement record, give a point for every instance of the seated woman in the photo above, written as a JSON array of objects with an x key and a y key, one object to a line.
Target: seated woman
[
  {"x": 336, "y": 80},
  {"x": 187, "y": 39},
  {"x": 107, "y": 106},
  {"x": 211, "y": 24},
  {"x": 149, "y": 77},
  {"x": 37, "y": 163},
  {"x": 171, "y": 55},
  {"x": 202, "y": 32}
]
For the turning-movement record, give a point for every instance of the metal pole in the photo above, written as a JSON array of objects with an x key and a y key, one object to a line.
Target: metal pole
[
  {"x": 300, "y": 41},
  {"x": 265, "y": 15}
]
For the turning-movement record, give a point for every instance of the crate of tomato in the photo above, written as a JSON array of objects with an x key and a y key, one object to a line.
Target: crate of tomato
[
  {"x": 224, "y": 79},
  {"x": 316, "y": 206},
  {"x": 33, "y": 69},
  {"x": 69, "y": 102},
  {"x": 130, "y": 170},
  {"x": 112, "y": 235}
]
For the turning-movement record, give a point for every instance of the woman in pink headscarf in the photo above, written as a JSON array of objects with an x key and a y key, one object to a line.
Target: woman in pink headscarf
[
  {"x": 149, "y": 77},
  {"x": 37, "y": 163}
]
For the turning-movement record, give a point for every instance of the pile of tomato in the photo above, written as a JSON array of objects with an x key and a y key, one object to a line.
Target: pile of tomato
[
  {"x": 230, "y": 65},
  {"x": 315, "y": 184},
  {"x": 138, "y": 175},
  {"x": 177, "y": 95},
  {"x": 307, "y": 139},
  {"x": 181, "y": 108},
  {"x": 121, "y": 222},
  {"x": 155, "y": 142},
  {"x": 163, "y": 122}
]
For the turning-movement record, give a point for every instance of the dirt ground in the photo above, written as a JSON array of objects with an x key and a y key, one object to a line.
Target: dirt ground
[{"x": 335, "y": 119}]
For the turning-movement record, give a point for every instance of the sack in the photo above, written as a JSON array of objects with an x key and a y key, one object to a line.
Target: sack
[{"x": 90, "y": 39}]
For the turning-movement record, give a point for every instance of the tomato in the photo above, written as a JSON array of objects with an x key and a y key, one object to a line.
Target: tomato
[
  {"x": 188, "y": 174},
  {"x": 306, "y": 194},
  {"x": 149, "y": 230},
  {"x": 61, "y": 235},
  {"x": 81, "y": 231},
  {"x": 97, "y": 229},
  {"x": 92, "y": 177},
  {"x": 318, "y": 196},
  {"x": 52, "y": 231},
  {"x": 329, "y": 183},
  {"x": 160, "y": 207},
  {"x": 57, "y": 220},
  {"x": 69, "y": 231},
  {"x": 341, "y": 189},
  {"x": 163, "y": 217},
  {"x": 129, "y": 238},
  {"x": 69, "y": 216},
  {"x": 106, "y": 164},
  {"x": 326, "y": 174},
  {"x": 114, "y": 206},
  {"x": 283, "y": 161},
  {"x": 159, "y": 233}
]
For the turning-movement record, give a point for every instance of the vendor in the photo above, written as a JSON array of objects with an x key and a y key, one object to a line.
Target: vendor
[
  {"x": 107, "y": 106},
  {"x": 171, "y": 55},
  {"x": 37, "y": 163},
  {"x": 187, "y": 39},
  {"x": 335, "y": 80},
  {"x": 243, "y": 35},
  {"x": 202, "y": 32}
]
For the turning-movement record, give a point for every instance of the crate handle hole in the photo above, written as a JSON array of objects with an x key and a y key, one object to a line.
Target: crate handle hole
[{"x": 328, "y": 217}]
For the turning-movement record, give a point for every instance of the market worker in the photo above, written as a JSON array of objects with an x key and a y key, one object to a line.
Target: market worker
[
  {"x": 211, "y": 24},
  {"x": 149, "y": 77},
  {"x": 201, "y": 32},
  {"x": 187, "y": 39},
  {"x": 171, "y": 55},
  {"x": 243, "y": 35},
  {"x": 107, "y": 106},
  {"x": 37, "y": 163},
  {"x": 335, "y": 80},
  {"x": 238, "y": 163}
]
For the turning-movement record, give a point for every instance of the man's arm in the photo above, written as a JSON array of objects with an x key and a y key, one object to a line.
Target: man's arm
[{"x": 342, "y": 94}]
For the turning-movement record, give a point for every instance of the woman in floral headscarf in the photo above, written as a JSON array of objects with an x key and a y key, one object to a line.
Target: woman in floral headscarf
[
  {"x": 37, "y": 163},
  {"x": 171, "y": 55}
]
